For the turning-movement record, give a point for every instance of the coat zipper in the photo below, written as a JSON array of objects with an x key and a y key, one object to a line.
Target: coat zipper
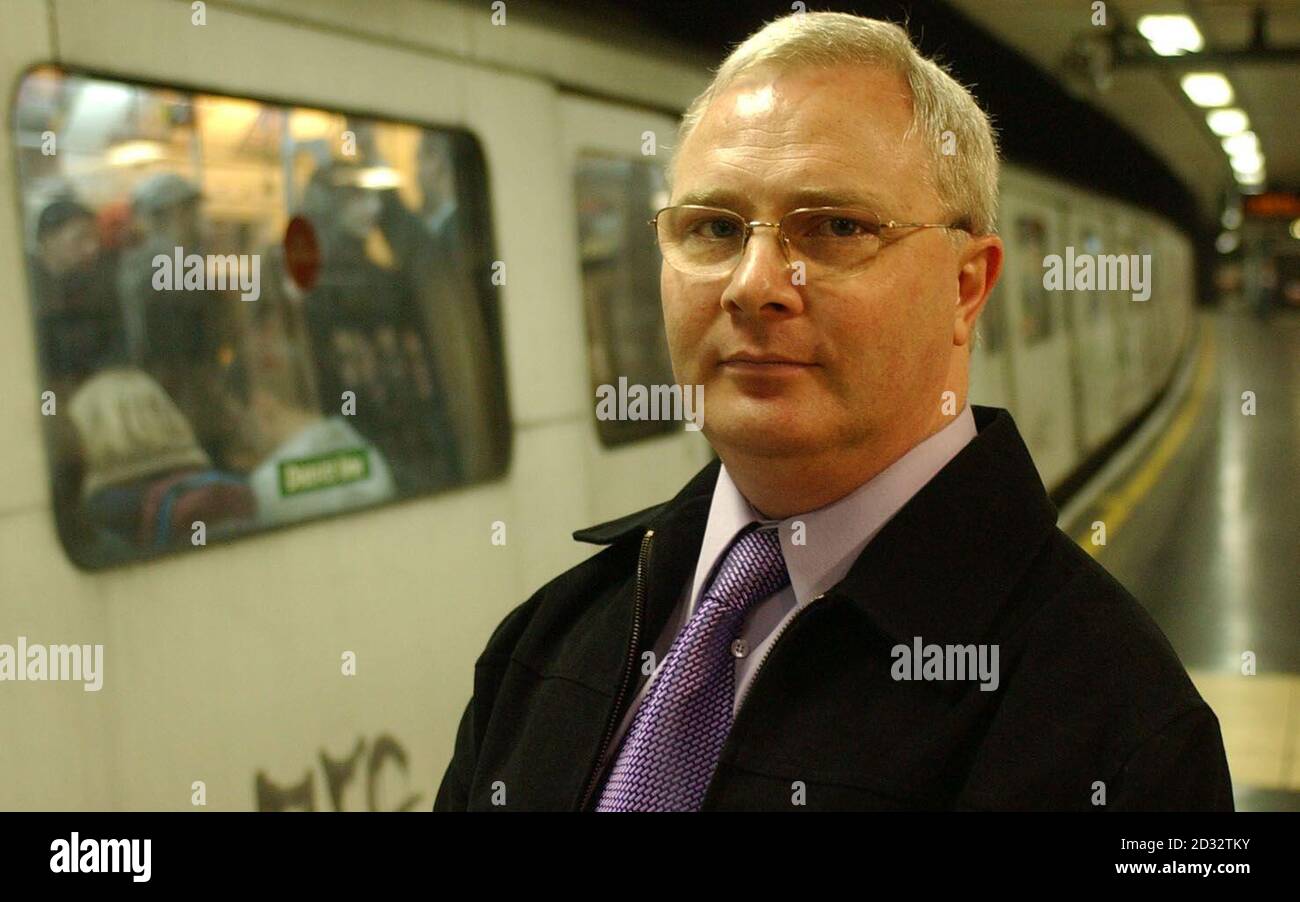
[
  {"x": 767, "y": 654},
  {"x": 754, "y": 680},
  {"x": 637, "y": 610}
]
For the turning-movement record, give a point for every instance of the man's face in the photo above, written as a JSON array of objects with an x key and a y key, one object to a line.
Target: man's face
[
  {"x": 872, "y": 350},
  {"x": 71, "y": 247},
  {"x": 180, "y": 223}
]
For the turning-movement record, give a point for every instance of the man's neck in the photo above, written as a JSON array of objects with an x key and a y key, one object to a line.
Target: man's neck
[{"x": 780, "y": 487}]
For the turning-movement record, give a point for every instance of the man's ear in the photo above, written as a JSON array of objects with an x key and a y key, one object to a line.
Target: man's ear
[{"x": 981, "y": 265}]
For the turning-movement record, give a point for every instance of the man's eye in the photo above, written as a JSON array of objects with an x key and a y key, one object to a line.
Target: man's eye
[
  {"x": 716, "y": 228},
  {"x": 839, "y": 227}
]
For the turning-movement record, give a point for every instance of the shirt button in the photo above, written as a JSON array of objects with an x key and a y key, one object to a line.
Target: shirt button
[{"x": 740, "y": 648}]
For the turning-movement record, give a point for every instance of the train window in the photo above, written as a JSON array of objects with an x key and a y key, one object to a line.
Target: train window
[
  {"x": 250, "y": 314},
  {"x": 620, "y": 282},
  {"x": 1036, "y": 322}
]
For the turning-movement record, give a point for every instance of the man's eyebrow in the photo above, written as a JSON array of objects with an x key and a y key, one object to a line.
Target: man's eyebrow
[
  {"x": 804, "y": 197},
  {"x": 713, "y": 197}
]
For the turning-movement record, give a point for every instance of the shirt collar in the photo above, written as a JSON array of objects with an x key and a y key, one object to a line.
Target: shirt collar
[{"x": 821, "y": 545}]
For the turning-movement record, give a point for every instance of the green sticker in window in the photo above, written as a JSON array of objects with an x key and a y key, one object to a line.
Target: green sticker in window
[{"x": 323, "y": 471}]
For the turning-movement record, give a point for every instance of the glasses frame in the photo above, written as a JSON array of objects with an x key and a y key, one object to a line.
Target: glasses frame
[{"x": 784, "y": 238}]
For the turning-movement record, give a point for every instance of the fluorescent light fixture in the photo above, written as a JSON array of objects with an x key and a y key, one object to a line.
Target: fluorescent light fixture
[
  {"x": 134, "y": 153},
  {"x": 1230, "y": 121},
  {"x": 1171, "y": 35},
  {"x": 1246, "y": 143},
  {"x": 1247, "y": 163},
  {"x": 1207, "y": 89},
  {"x": 378, "y": 178}
]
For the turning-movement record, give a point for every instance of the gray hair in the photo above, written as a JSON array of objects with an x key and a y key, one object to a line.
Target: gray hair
[{"x": 962, "y": 148}]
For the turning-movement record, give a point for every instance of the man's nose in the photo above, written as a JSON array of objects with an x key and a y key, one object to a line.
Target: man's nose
[{"x": 764, "y": 276}]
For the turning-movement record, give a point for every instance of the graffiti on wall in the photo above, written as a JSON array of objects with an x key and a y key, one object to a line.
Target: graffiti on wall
[{"x": 368, "y": 767}]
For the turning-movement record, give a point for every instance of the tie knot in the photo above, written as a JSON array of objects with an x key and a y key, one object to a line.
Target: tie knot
[{"x": 753, "y": 569}]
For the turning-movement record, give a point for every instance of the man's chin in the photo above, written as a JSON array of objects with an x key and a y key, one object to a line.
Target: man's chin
[{"x": 761, "y": 430}]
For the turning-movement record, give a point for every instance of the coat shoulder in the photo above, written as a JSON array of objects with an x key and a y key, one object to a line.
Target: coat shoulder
[
  {"x": 556, "y": 607},
  {"x": 1091, "y": 650}
]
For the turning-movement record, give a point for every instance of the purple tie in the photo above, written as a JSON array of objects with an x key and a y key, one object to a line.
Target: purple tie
[{"x": 672, "y": 748}]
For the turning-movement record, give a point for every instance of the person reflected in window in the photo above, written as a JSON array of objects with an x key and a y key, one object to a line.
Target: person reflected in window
[
  {"x": 176, "y": 334},
  {"x": 146, "y": 479},
  {"x": 290, "y": 432},
  {"x": 356, "y": 309},
  {"x": 79, "y": 328},
  {"x": 441, "y": 263}
]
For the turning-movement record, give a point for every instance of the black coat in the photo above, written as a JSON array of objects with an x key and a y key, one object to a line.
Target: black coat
[{"x": 1090, "y": 691}]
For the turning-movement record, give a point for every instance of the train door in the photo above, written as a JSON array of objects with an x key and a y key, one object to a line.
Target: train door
[
  {"x": 1041, "y": 365},
  {"x": 1096, "y": 372},
  {"x": 639, "y": 453},
  {"x": 1129, "y": 324},
  {"x": 1158, "y": 270}
]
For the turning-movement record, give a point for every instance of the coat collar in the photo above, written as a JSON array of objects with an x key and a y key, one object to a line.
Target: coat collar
[{"x": 942, "y": 566}]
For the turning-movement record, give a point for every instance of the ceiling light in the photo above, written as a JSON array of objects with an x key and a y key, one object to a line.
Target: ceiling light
[
  {"x": 1247, "y": 163},
  {"x": 379, "y": 178},
  {"x": 1295, "y": 229},
  {"x": 134, "y": 153},
  {"x": 1171, "y": 35},
  {"x": 1245, "y": 143},
  {"x": 1207, "y": 89},
  {"x": 1230, "y": 121}
]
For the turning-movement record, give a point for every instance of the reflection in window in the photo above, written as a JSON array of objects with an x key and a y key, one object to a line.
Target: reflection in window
[
  {"x": 1035, "y": 301},
  {"x": 620, "y": 277},
  {"x": 250, "y": 314}
]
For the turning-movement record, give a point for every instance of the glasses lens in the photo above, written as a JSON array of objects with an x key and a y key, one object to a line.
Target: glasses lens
[
  {"x": 836, "y": 242},
  {"x": 700, "y": 240}
]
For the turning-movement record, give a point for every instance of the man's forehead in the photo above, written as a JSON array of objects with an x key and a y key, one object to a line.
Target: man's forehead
[{"x": 813, "y": 137}]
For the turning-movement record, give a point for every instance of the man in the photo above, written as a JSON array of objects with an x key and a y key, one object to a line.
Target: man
[
  {"x": 177, "y": 335},
  {"x": 434, "y": 257},
  {"x": 80, "y": 329},
  {"x": 286, "y": 432},
  {"x": 786, "y": 601}
]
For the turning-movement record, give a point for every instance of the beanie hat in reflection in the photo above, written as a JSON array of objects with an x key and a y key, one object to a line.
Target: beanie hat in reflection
[{"x": 130, "y": 429}]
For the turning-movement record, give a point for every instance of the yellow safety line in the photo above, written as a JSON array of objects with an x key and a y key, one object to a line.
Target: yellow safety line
[{"x": 1117, "y": 506}]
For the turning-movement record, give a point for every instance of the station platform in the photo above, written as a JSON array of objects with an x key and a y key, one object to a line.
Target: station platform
[{"x": 1203, "y": 527}]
